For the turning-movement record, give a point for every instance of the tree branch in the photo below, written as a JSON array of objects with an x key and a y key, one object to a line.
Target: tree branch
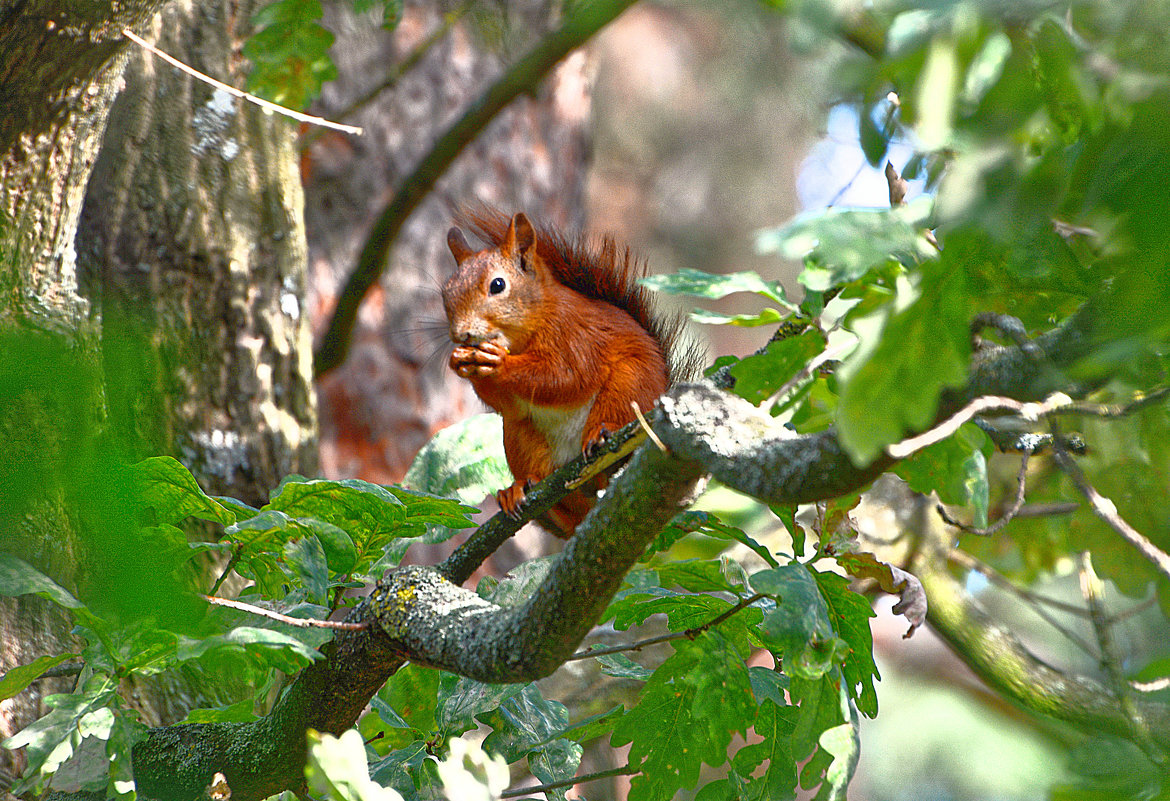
[
  {"x": 998, "y": 657},
  {"x": 440, "y": 624}
]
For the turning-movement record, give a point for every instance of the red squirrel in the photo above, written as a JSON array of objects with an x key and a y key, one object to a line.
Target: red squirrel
[{"x": 557, "y": 336}]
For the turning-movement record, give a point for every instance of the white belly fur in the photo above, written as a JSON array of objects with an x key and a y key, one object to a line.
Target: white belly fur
[{"x": 562, "y": 428}]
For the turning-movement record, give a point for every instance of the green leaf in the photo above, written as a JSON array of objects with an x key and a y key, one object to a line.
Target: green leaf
[
  {"x": 799, "y": 630},
  {"x": 524, "y": 720},
  {"x": 844, "y": 244},
  {"x": 173, "y": 493},
  {"x": 53, "y": 739},
  {"x": 465, "y": 461},
  {"x": 774, "y": 726},
  {"x": 423, "y": 508},
  {"x": 760, "y": 375},
  {"x": 594, "y": 726},
  {"x": 307, "y": 560},
  {"x": 874, "y": 143},
  {"x": 701, "y": 575},
  {"x": 369, "y": 514},
  {"x": 528, "y": 725},
  {"x": 768, "y": 685},
  {"x": 849, "y": 614},
  {"x": 270, "y": 648},
  {"x": 19, "y": 677},
  {"x": 723, "y": 699},
  {"x": 667, "y": 738},
  {"x": 18, "y": 577},
  {"x": 622, "y": 667},
  {"x": 768, "y": 316},
  {"x": 710, "y": 285},
  {"x": 461, "y": 700},
  {"x": 955, "y": 468},
  {"x": 818, "y": 704},
  {"x": 409, "y": 770},
  {"x": 936, "y": 94},
  {"x": 844, "y": 743},
  {"x": 289, "y": 53},
  {"x": 684, "y": 612},
  {"x": 894, "y": 390}
]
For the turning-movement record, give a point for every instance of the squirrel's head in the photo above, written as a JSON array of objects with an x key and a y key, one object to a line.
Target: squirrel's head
[{"x": 495, "y": 293}]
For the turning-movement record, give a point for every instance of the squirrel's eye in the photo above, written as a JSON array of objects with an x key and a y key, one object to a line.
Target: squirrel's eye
[{"x": 496, "y": 286}]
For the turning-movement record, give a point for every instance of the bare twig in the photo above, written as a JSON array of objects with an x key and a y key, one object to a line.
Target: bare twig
[
  {"x": 299, "y": 622},
  {"x": 1009, "y": 513},
  {"x": 1093, "y": 590},
  {"x": 231, "y": 90},
  {"x": 1107, "y": 511},
  {"x": 625, "y": 770},
  {"x": 985, "y": 403},
  {"x": 1048, "y": 509},
  {"x": 646, "y": 426},
  {"x": 689, "y": 634},
  {"x": 1138, "y": 401},
  {"x": 1035, "y": 601}
]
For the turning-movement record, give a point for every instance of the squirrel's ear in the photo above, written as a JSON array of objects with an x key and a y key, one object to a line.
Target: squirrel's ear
[
  {"x": 458, "y": 244},
  {"x": 521, "y": 237}
]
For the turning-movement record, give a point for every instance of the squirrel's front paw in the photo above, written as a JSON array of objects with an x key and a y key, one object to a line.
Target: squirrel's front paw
[
  {"x": 477, "y": 361},
  {"x": 511, "y": 497},
  {"x": 593, "y": 443}
]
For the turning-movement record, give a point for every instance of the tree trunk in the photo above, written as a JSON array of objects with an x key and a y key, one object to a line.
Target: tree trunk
[
  {"x": 178, "y": 327},
  {"x": 192, "y": 240},
  {"x": 59, "y": 71}
]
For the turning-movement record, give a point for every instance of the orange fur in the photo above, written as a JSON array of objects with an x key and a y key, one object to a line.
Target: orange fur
[{"x": 558, "y": 338}]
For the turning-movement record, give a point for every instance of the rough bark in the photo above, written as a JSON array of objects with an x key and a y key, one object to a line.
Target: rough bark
[{"x": 192, "y": 249}]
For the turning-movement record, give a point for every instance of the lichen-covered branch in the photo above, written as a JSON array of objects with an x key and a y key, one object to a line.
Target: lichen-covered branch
[{"x": 440, "y": 624}]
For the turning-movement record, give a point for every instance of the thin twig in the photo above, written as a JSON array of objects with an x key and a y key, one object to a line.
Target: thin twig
[
  {"x": 689, "y": 634},
  {"x": 1009, "y": 513},
  {"x": 1138, "y": 401},
  {"x": 1048, "y": 509},
  {"x": 1035, "y": 601},
  {"x": 1093, "y": 590},
  {"x": 231, "y": 90},
  {"x": 986, "y": 403},
  {"x": 626, "y": 770},
  {"x": 228, "y": 568},
  {"x": 646, "y": 426},
  {"x": 1107, "y": 511},
  {"x": 299, "y": 622}
]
